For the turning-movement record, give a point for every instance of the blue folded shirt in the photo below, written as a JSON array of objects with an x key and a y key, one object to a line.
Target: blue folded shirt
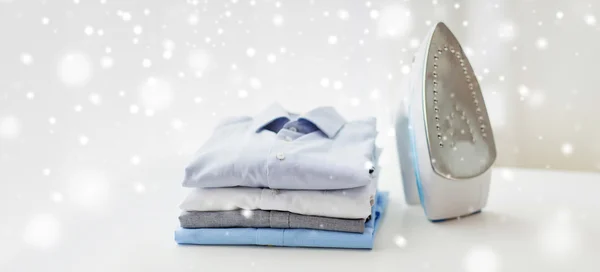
[{"x": 288, "y": 237}]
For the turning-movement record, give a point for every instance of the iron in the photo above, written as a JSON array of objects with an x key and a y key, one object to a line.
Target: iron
[{"x": 445, "y": 141}]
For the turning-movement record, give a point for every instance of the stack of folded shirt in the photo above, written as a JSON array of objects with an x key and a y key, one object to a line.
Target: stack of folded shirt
[{"x": 284, "y": 179}]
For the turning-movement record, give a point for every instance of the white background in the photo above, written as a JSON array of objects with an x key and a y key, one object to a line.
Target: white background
[
  {"x": 128, "y": 82},
  {"x": 106, "y": 100}
]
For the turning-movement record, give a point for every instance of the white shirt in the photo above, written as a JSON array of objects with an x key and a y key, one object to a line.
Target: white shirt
[
  {"x": 317, "y": 150},
  {"x": 347, "y": 203}
]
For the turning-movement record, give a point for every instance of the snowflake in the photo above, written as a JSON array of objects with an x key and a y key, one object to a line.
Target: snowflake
[
  {"x": 46, "y": 172},
  {"x": 137, "y": 30},
  {"x": 536, "y": 99},
  {"x": 343, "y": 14},
  {"x": 400, "y": 241},
  {"x": 456, "y": 5},
  {"x": 95, "y": 98},
  {"x": 508, "y": 175},
  {"x": 465, "y": 23},
  {"x": 88, "y": 30},
  {"x": 146, "y": 63},
  {"x": 394, "y": 21},
  {"x": 106, "y": 62},
  {"x": 199, "y": 60},
  {"x": 332, "y": 40},
  {"x": 414, "y": 43},
  {"x": 255, "y": 83},
  {"x": 26, "y": 59},
  {"x": 193, "y": 19},
  {"x": 355, "y": 101},
  {"x": 338, "y": 85},
  {"x": 391, "y": 132},
  {"x": 469, "y": 51},
  {"x": 168, "y": 45},
  {"x": 177, "y": 124},
  {"x": 52, "y": 120},
  {"x": 139, "y": 188},
  {"x": 368, "y": 165},
  {"x": 135, "y": 160},
  {"x": 523, "y": 91},
  {"x": 405, "y": 69},
  {"x": 374, "y": 94},
  {"x": 506, "y": 31},
  {"x": 590, "y": 20},
  {"x": 242, "y": 94},
  {"x": 250, "y": 52},
  {"x": 134, "y": 109},
  {"x": 567, "y": 149},
  {"x": 481, "y": 259},
  {"x": 89, "y": 189},
  {"x": 541, "y": 43},
  {"x": 45, "y": 20},
  {"x": 374, "y": 14},
  {"x": 247, "y": 213},
  {"x": 278, "y": 20},
  {"x": 56, "y": 197},
  {"x": 271, "y": 58},
  {"x": 83, "y": 140},
  {"x": 558, "y": 237},
  {"x": 75, "y": 69},
  {"x": 10, "y": 127},
  {"x": 42, "y": 231},
  {"x": 30, "y": 95}
]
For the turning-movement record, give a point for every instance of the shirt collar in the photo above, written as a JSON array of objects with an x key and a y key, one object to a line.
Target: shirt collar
[
  {"x": 326, "y": 119},
  {"x": 268, "y": 116}
]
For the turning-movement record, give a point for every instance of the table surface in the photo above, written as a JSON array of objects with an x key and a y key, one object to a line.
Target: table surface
[{"x": 536, "y": 220}]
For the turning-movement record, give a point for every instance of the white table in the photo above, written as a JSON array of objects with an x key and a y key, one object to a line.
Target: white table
[{"x": 535, "y": 221}]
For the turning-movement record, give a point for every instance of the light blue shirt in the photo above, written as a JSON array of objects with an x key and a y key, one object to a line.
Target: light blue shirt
[
  {"x": 276, "y": 149},
  {"x": 288, "y": 237}
]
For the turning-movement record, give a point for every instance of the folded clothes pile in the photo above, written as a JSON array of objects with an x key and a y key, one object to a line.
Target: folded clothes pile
[{"x": 283, "y": 179}]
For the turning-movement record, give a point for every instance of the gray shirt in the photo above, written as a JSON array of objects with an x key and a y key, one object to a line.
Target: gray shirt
[{"x": 268, "y": 219}]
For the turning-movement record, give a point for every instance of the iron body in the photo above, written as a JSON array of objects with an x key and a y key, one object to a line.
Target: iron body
[{"x": 445, "y": 140}]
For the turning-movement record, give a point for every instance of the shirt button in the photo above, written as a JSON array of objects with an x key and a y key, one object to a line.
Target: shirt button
[
  {"x": 293, "y": 129},
  {"x": 280, "y": 156},
  {"x": 288, "y": 138}
]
